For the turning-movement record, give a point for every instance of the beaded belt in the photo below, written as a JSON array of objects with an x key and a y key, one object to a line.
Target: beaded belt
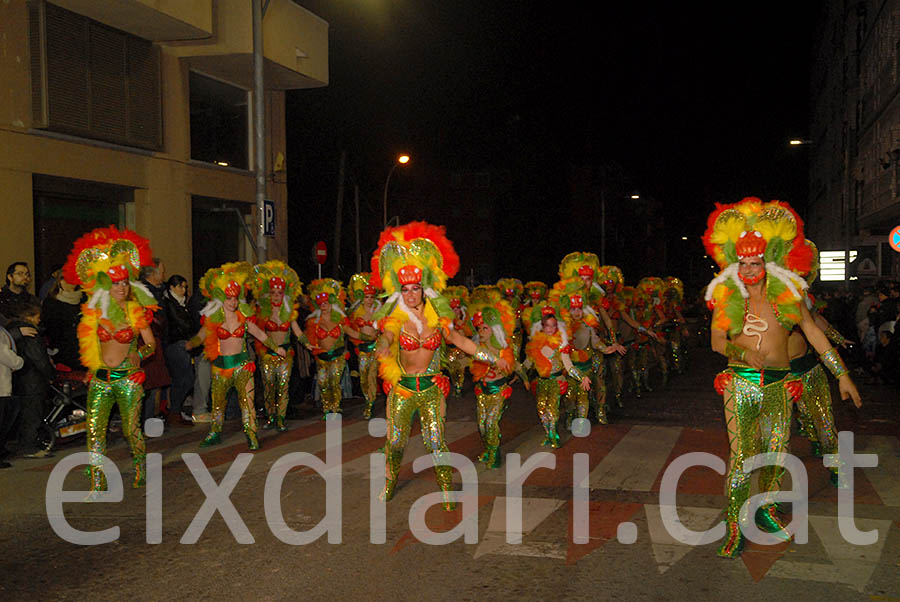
[{"x": 417, "y": 382}]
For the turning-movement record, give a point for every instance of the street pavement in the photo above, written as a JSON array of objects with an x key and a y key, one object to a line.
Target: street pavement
[{"x": 629, "y": 554}]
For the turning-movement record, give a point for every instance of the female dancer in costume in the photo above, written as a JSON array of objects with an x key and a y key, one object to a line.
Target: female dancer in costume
[
  {"x": 223, "y": 335},
  {"x": 582, "y": 323},
  {"x": 324, "y": 336},
  {"x": 106, "y": 262},
  {"x": 494, "y": 320},
  {"x": 412, "y": 264},
  {"x": 512, "y": 290},
  {"x": 673, "y": 327},
  {"x": 275, "y": 287},
  {"x": 362, "y": 315},
  {"x": 457, "y": 360},
  {"x": 654, "y": 317},
  {"x": 756, "y": 300},
  {"x": 547, "y": 351},
  {"x": 535, "y": 292}
]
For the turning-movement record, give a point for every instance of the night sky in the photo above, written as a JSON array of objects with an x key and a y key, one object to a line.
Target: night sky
[{"x": 696, "y": 102}]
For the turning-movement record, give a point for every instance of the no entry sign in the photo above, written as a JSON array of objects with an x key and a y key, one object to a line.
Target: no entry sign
[{"x": 321, "y": 252}]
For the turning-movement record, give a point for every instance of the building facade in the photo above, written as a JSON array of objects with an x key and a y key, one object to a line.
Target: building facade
[
  {"x": 139, "y": 113},
  {"x": 855, "y": 134}
]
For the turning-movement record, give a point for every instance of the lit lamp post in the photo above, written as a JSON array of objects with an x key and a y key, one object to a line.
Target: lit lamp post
[{"x": 401, "y": 160}]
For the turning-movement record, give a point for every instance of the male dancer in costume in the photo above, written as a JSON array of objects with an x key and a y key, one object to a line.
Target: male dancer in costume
[
  {"x": 106, "y": 263},
  {"x": 756, "y": 300},
  {"x": 412, "y": 264},
  {"x": 362, "y": 316},
  {"x": 276, "y": 287}
]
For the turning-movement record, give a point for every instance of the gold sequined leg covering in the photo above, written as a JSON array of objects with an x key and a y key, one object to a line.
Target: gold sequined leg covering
[
  {"x": 220, "y": 381},
  {"x": 817, "y": 401},
  {"x": 548, "y": 408},
  {"x": 456, "y": 364},
  {"x": 774, "y": 433},
  {"x": 368, "y": 379},
  {"x": 617, "y": 376},
  {"x": 598, "y": 388},
  {"x": 489, "y": 411},
  {"x": 401, "y": 405},
  {"x": 276, "y": 377},
  {"x": 101, "y": 397},
  {"x": 329, "y": 380}
]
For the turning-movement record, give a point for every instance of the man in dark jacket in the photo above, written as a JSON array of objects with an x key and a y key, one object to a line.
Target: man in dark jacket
[
  {"x": 15, "y": 291},
  {"x": 31, "y": 383}
]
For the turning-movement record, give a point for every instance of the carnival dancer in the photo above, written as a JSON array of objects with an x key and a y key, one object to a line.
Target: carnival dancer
[
  {"x": 412, "y": 264},
  {"x": 815, "y": 414},
  {"x": 324, "y": 336},
  {"x": 114, "y": 321},
  {"x": 362, "y": 316},
  {"x": 494, "y": 320},
  {"x": 276, "y": 287},
  {"x": 655, "y": 317},
  {"x": 756, "y": 300},
  {"x": 581, "y": 322},
  {"x": 612, "y": 281},
  {"x": 223, "y": 335},
  {"x": 512, "y": 290},
  {"x": 674, "y": 328},
  {"x": 535, "y": 292},
  {"x": 457, "y": 360},
  {"x": 548, "y": 351}
]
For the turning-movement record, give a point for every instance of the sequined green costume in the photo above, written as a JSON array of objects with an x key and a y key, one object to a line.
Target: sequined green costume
[
  {"x": 422, "y": 393},
  {"x": 276, "y": 376},
  {"x": 330, "y": 366},
  {"x": 121, "y": 386},
  {"x": 815, "y": 417},
  {"x": 233, "y": 371}
]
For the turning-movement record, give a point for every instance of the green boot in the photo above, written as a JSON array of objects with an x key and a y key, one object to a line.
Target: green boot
[
  {"x": 212, "y": 439},
  {"x": 767, "y": 520},
  {"x": 734, "y": 541},
  {"x": 270, "y": 423},
  {"x": 280, "y": 426},
  {"x": 252, "y": 441}
]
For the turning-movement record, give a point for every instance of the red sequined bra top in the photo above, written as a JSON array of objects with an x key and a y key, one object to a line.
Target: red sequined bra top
[
  {"x": 123, "y": 335},
  {"x": 409, "y": 342},
  {"x": 334, "y": 333},
  {"x": 224, "y": 333},
  {"x": 273, "y": 326}
]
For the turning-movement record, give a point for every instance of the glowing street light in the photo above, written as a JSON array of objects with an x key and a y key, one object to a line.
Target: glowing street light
[{"x": 401, "y": 160}]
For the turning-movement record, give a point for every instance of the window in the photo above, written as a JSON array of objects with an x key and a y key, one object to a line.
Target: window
[
  {"x": 219, "y": 122},
  {"x": 94, "y": 81}
]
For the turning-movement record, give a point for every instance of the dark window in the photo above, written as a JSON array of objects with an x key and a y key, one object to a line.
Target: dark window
[
  {"x": 93, "y": 81},
  {"x": 219, "y": 122}
]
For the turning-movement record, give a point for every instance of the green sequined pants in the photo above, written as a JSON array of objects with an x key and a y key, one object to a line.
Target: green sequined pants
[
  {"x": 547, "y": 394},
  {"x": 368, "y": 376},
  {"x": 328, "y": 377},
  {"x": 757, "y": 418},
  {"x": 489, "y": 408},
  {"x": 402, "y": 404},
  {"x": 100, "y": 399},
  {"x": 815, "y": 410},
  {"x": 241, "y": 378},
  {"x": 276, "y": 376}
]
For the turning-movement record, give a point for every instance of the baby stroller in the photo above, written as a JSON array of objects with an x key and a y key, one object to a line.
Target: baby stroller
[{"x": 68, "y": 415}]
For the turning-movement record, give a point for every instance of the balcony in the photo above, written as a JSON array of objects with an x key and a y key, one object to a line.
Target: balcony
[
  {"x": 295, "y": 46},
  {"x": 154, "y": 20}
]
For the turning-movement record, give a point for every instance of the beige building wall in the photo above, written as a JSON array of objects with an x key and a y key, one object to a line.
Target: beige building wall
[{"x": 163, "y": 182}]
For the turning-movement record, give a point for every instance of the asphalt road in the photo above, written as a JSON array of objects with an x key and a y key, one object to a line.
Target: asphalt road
[{"x": 625, "y": 459}]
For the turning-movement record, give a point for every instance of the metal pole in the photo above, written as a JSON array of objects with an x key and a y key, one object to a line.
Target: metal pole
[
  {"x": 602, "y": 227},
  {"x": 339, "y": 216},
  {"x": 259, "y": 133},
  {"x": 386, "y": 184},
  {"x": 356, "y": 205}
]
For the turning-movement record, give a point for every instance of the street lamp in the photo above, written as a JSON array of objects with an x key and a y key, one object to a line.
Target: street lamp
[{"x": 401, "y": 160}]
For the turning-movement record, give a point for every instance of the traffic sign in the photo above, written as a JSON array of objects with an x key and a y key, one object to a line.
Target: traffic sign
[
  {"x": 269, "y": 217},
  {"x": 321, "y": 252},
  {"x": 894, "y": 239},
  {"x": 867, "y": 268}
]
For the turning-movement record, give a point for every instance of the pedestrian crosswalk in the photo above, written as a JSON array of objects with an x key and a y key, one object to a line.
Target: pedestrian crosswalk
[{"x": 625, "y": 467}]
